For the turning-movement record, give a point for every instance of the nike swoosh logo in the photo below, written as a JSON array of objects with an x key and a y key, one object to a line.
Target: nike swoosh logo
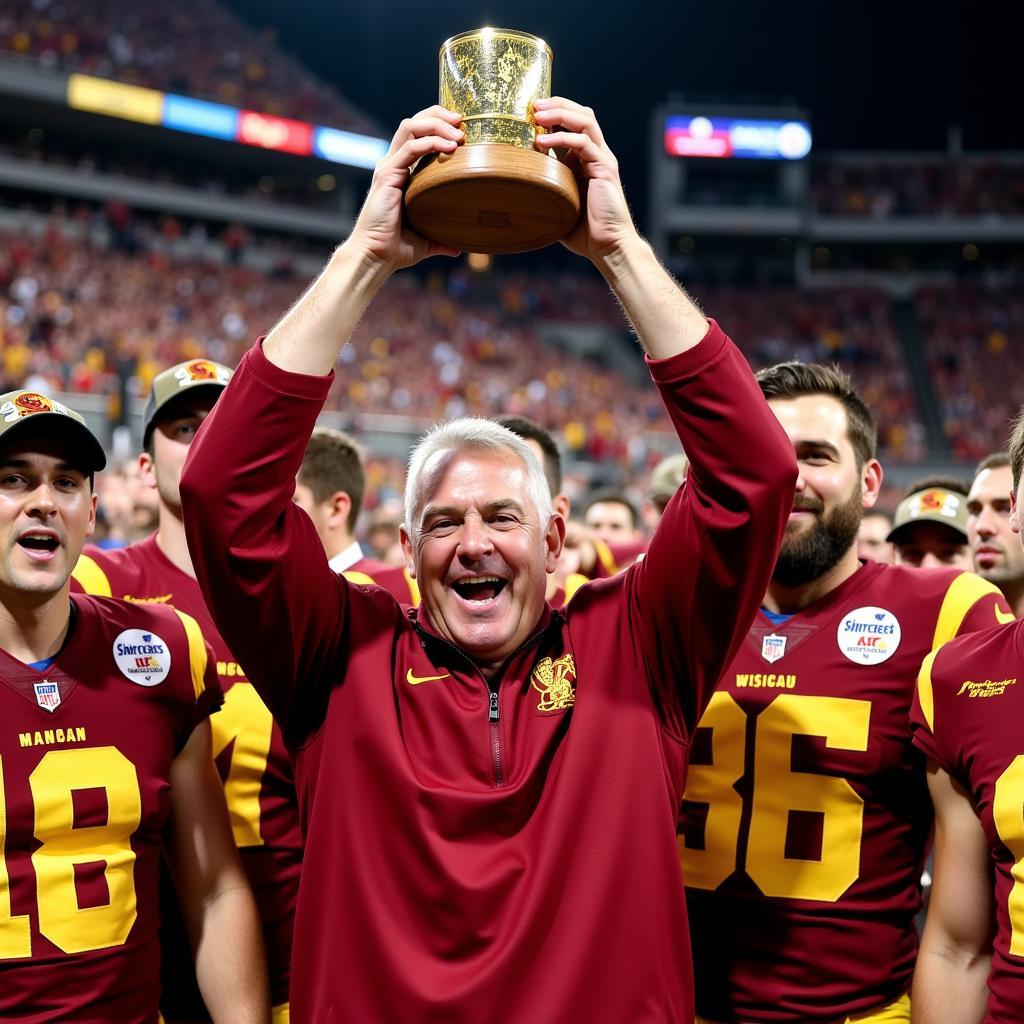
[{"x": 416, "y": 680}]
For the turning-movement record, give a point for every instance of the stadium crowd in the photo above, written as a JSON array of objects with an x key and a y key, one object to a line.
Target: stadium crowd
[
  {"x": 919, "y": 187},
  {"x": 197, "y": 49},
  {"x": 80, "y": 315},
  {"x": 971, "y": 337},
  {"x": 459, "y": 787}
]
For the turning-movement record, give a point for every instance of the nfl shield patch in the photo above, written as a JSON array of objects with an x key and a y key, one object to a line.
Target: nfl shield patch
[
  {"x": 773, "y": 647},
  {"x": 47, "y": 695}
]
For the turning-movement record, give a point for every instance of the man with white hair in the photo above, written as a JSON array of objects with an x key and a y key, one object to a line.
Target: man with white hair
[{"x": 488, "y": 785}]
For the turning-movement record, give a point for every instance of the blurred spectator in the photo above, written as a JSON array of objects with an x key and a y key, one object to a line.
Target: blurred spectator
[
  {"x": 929, "y": 528},
  {"x": 920, "y": 187},
  {"x": 972, "y": 339},
  {"x": 872, "y": 536}
]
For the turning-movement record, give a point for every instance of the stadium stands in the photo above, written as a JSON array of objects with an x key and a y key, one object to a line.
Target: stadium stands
[
  {"x": 197, "y": 49},
  {"x": 972, "y": 337},
  {"x": 919, "y": 187}
]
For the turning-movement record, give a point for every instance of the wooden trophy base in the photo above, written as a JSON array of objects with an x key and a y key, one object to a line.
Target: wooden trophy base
[{"x": 493, "y": 198}]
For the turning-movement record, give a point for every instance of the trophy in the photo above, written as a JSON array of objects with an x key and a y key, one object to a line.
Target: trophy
[{"x": 495, "y": 192}]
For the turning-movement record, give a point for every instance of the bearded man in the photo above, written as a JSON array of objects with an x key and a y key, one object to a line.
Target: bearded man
[{"x": 806, "y": 812}]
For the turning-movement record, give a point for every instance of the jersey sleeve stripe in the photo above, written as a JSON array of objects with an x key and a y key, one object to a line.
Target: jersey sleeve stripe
[
  {"x": 91, "y": 578},
  {"x": 196, "y": 651},
  {"x": 963, "y": 593},
  {"x": 925, "y": 691},
  {"x": 573, "y": 582},
  {"x": 605, "y": 557},
  {"x": 359, "y": 578}
]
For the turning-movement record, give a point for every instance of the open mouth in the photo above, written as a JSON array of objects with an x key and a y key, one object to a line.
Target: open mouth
[
  {"x": 479, "y": 589},
  {"x": 38, "y": 546}
]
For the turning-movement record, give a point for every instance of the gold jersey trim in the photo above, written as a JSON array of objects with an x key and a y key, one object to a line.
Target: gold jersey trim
[
  {"x": 925, "y": 690},
  {"x": 963, "y": 594},
  {"x": 90, "y": 577},
  {"x": 196, "y": 651}
]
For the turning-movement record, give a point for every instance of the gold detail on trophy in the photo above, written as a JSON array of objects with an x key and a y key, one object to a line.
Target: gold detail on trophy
[
  {"x": 555, "y": 681},
  {"x": 496, "y": 192},
  {"x": 492, "y": 77}
]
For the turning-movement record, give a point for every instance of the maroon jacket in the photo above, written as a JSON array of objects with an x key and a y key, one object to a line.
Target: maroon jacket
[{"x": 471, "y": 859}]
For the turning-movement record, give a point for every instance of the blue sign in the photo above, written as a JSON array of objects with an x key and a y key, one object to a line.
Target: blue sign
[
  {"x": 201, "y": 118},
  {"x": 348, "y": 148}
]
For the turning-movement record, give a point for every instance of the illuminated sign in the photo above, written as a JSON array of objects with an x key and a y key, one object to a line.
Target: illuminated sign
[
  {"x": 215, "y": 120},
  {"x": 115, "y": 99},
  {"x": 278, "y": 133},
  {"x": 749, "y": 138},
  {"x": 348, "y": 148},
  {"x": 218, "y": 121}
]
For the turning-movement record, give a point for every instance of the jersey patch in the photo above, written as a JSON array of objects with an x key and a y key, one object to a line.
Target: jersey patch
[
  {"x": 773, "y": 647},
  {"x": 142, "y": 658},
  {"x": 869, "y": 635},
  {"x": 47, "y": 695}
]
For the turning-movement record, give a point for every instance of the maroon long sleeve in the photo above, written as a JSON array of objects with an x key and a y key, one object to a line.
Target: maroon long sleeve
[{"x": 467, "y": 863}]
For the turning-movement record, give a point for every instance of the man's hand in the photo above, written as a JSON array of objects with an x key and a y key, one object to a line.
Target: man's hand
[
  {"x": 379, "y": 232},
  {"x": 606, "y": 224}
]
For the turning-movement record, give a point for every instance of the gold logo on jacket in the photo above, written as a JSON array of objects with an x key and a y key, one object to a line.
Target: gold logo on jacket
[{"x": 555, "y": 681}]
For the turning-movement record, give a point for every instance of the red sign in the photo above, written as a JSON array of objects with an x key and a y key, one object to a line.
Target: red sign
[{"x": 270, "y": 132}]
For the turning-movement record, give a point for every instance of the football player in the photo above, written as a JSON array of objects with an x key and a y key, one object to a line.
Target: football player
[
  {"x": 329, "y": 489},
  {"x": 966, "y": 719},
  {"x": 805, "y": 815},
  {"x": 105, "y": 746},
  {"x": 997, "y": 553},
  {"x": 247, "y": 746}
]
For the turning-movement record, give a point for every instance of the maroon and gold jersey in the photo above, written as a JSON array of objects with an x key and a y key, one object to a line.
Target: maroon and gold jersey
[
  {"x": 398, "y": 582},
  {"x": 806, "y": 811},
  {"x": 86, "y": 749},
  {"x": 968, "y": 716},
  {"x": 257, "y": 772}
]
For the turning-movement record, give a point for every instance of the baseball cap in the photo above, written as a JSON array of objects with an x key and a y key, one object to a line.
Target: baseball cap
[
  {"x": 667, "y": 476},
  {"x": 18, "y": 408},
  {"x": 181, "y": 378},
  {"x": 931, "y": 505}
]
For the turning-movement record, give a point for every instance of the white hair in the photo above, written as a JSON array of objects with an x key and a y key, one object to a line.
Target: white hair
[{"x": 470, "y": 433}]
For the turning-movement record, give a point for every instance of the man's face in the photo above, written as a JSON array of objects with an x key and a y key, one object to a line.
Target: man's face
[
  {"x": 928, "y": 545},
  {"x": 831, "y": 492},
  {"x": 611, "y": 522},
  {"x": 47, "y": 510},
  {"x": 871, "y": 543},
  {"x": 480, "y": 554},
  {"x": 172, "y": 436},
  {"x": 997, "y": 553}
]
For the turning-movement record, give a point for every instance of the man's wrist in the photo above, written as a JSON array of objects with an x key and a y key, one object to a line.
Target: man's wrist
[{"x": 626, "y": 260}]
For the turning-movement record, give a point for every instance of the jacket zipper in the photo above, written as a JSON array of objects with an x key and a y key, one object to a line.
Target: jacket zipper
[
  {"x": 493, "y": 724},
  {"x": 493, "y": 713}
]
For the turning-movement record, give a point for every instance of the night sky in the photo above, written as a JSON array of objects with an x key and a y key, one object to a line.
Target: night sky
[{"x": 872, "y": 74}]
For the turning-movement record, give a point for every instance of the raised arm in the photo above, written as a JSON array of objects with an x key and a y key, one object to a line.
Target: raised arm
[
  {"x": 956, "y": 948},
  {"x": 665, "y": 319},
  {"x": 310, "y": 336},
  {"x": 697, "y": 590}
]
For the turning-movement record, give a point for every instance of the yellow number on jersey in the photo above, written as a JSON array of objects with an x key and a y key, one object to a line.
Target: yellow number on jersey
[
  {"x": 245, "y": 719},
  {"x": 68, "y": 926},
  {"x": 1008, "y": 815},
  {"x": 15, "y": 932},
  {"x": 777, "y": 791}
]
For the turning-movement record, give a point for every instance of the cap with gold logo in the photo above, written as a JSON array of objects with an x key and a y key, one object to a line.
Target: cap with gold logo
[
  {"x": 20, "y": 409},
  {"x": 179, "y": 379},
  {"x": 931, "y": 505}
]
